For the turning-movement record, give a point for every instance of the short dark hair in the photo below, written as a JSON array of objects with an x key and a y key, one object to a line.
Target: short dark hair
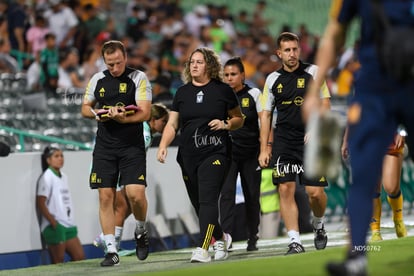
[
  {"x": 235, "y": 61},
  {"x": 111, "y": 46},
  {"x": 49, "y": 35},
  {"x": 286, "y": 36}
]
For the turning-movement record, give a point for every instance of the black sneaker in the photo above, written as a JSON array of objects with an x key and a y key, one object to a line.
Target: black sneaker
[
  {"x": 295, "y": 248},
  {"x": 251, "y": 244},
  {"x": 111, "y": 259},
  {"x": 142, "y": 247},
  {"x": 355, "y": 266},
  {"x": 321, "y": 239}
]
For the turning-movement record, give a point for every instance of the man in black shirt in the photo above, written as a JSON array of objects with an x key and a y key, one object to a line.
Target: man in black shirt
[
  {"x": 285, "y": 90},
  {"x": 119, "y": 152}
]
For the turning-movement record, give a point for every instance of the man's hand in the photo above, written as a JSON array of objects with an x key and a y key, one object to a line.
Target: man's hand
[
  {"x": 264, "y": 158},
  {"x": 117, "y": 113}
]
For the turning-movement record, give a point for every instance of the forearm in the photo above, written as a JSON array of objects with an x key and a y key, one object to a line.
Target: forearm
[
  {"x": 264, "y": 131},
  {"x": 235, "y": 123},
  {"x": 137, "y": 117},
  {"x": 41, "y": 205},
  {"x": 168, "y": 136},
  {"x": 88, "y": 111},
  {"x": 329, "y": 47}
]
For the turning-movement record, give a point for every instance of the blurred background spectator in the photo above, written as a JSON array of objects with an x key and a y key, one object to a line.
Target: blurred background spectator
[{"x": 158, "y": 35}]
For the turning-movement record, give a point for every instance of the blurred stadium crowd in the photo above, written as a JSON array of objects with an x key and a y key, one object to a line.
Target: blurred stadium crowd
[{"x": 50, "y": 48}]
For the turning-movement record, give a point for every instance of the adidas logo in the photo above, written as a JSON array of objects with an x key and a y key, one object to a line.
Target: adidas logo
[
  {"x": 115, "y": 259},
  {"x": 217, "y": 162},
  {"x": 141, "y": 177}
]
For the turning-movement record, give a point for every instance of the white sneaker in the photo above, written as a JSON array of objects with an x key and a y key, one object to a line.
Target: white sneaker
[
  {"x": 220, "y": 249},
  {"x": 229, "y": 241},
  {"x": 200, "y": 255}
]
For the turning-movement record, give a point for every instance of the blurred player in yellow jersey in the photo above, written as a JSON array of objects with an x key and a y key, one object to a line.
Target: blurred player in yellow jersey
[
  {"x": 391, "y": 174},
  {"x": 390, "y": 180}
]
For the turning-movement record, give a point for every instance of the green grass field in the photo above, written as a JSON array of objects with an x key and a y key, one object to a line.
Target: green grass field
[{"x": 390, "y": 257}]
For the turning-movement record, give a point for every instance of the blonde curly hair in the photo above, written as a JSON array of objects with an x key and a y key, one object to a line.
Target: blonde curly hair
[{"x": 213, "y": 65}]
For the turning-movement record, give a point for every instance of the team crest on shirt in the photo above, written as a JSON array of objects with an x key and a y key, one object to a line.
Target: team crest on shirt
[
  {"x": 300, "y": 83},
  {"x": 279, "y": 88},
  {"x": 122, "y": 87},
  {"x": 102, "y": 92},
  {"x": 200, "y": 96},
  {"x": 245, "y": 102}
]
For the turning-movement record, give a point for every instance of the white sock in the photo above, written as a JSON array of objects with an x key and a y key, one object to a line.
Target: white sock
[
  {"x": 140, "y": 227},
  {"x": 318, "y": 222},
  {"x": 118, "y": 232},
  {"x": 294, "y": 236},
  {"x": 118, "y": 236},
  {"x": 110, "y": 243}
]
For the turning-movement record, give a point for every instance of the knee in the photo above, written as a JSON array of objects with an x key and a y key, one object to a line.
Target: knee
[
  {"x": 136, "y": 196},
  {"x": 316, "y": 194},
  {"x": 106, "y": 197},
  {"x": 393, "y": 191},
  {"x": 286, "y": 191}
]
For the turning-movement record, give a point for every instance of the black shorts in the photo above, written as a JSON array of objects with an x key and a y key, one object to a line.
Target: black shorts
[
  {"x": 124, "y": 165},
  {"x": 288, "y": 170}
]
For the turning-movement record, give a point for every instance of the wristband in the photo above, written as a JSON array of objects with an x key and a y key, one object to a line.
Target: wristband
[{"x": 225, "y": 125}]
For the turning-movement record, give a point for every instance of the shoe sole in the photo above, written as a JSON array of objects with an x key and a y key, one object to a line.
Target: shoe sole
[
  {"x": 200, "y": 261},
  {"x": 110, "y": 265}
]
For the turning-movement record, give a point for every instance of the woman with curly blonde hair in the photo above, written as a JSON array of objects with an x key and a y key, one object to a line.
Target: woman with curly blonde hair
[
  {"x": 213, "y": 65},
  {"x": 205, "y": 109}
]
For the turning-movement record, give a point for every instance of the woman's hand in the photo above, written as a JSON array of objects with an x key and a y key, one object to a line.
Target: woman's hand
[
  {"x": 217, "y": 124},
  {"x": 162, "y": 155}
]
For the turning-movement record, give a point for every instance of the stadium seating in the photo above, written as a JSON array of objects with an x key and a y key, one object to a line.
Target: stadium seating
[{"x": 39, "y": 113}]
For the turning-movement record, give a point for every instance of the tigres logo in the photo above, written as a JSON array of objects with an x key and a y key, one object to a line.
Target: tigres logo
[
  {"x": 122, "y": 87},
  {"x": 300, "y": 83},
  {"x": 245, "y": 102}
]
